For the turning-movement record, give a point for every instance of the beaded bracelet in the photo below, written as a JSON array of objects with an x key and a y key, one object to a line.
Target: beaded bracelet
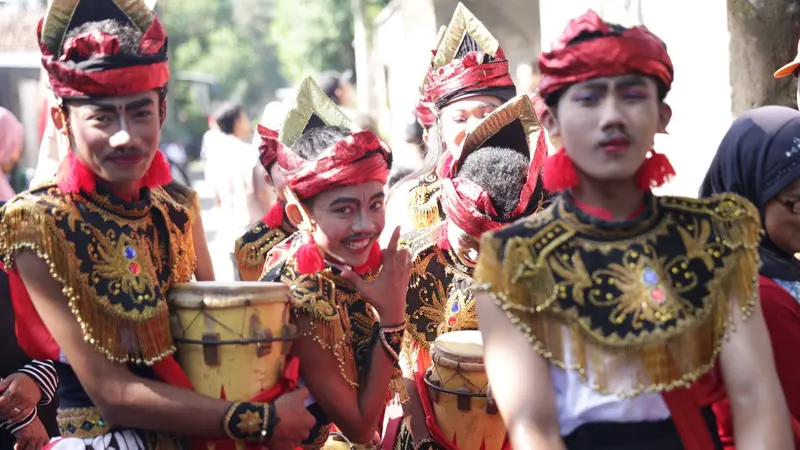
[
  {"x": 426, "y": 444},
  {"x": 250, "y": 421},
  {"x": 392, "y": 340}
]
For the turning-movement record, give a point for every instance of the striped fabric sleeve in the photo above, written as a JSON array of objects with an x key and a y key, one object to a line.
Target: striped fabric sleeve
[
  {"x": 44, "y": 374},
  {"x": 14, "y": 427}
]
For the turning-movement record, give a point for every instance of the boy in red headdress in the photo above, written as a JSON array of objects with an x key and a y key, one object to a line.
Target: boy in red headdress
[
  {"x": 91, "y": 255},
  {"x": 468, "y": 78},
  {"x": 494, "y": 182},
  {"x": 604, "y": 316},
  {"x": 252, "y": 248},
  {"x": 348, "y": 295}
]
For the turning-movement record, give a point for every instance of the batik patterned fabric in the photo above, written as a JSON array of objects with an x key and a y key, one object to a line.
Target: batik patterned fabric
[
  {"x": 620, "y": 303},
  {"x": 439, "y": 298},
  {"x": 116, "y": 260},
  {"x": 341, "y": 322},
  {"x": 252, "y": 248}
]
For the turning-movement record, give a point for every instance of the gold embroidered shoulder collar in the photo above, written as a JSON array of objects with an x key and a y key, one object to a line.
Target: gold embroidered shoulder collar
[
  {"x": 114, "y": 263},
  {"x": 620, "y": 303}
]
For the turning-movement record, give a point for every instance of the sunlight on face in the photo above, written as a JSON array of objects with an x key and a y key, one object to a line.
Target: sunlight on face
[
  {"x": 349, "y": 221},
  {"x": 461, "y": 116}
]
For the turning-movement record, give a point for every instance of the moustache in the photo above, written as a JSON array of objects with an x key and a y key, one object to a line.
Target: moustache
[{"x": 132, "y": 151}]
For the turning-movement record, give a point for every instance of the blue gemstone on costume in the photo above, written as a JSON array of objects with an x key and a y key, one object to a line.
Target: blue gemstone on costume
[
  {"x": 101, "y": 424},
  {"x": 455, "y": 307},
  {"x": 649, "y": 276},
  {"x": 130, "y": 253}
]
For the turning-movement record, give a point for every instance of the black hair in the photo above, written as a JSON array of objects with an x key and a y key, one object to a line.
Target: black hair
[
  {"x": 127, "y": 35},
  {"x": 226, "y": 116},
  {"x": 397, "y": 176},
  {"x": 501, "y": 172},
  {"x": 552, "y": 99},
  {"x": 312, "y": 143}
]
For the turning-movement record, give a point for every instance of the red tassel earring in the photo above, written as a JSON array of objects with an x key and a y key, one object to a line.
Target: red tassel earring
[
  {"x": 74, "y": 176},
  {"x": 655, "y": 171},
  {"x": 159, "y": 174},
  {"x": 274, "y": 217},
  {"x": 373, "y": 262},
  {"x": 559, "y": 172},
  {"x": 308, "y": 257}
]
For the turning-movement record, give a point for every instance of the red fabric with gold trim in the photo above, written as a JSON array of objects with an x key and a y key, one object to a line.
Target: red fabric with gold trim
[
  {"x": 68, "y": 81},
  {"x": 467, "y": 74},
  {"x": 468, "y": 206},
  {"x": 269, "y": 147},
  {"x": 635, "y": 50},
  {"x": 359, "y": 158}
]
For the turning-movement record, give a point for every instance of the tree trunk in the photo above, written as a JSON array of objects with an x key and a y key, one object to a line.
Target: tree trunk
[{"x": 764, "y": 36}]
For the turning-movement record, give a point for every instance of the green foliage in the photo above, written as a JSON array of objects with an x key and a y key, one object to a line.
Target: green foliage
[
  {"x": 312, "y": 36},
  {"x": 226, "y": 39}
]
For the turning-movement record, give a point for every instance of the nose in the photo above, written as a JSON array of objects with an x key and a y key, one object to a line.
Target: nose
[
  {"x": 363, "y": 224},
  {"x": 472, "y": 122},
  {"x": 121, "y": 138},
  {"x": 611, "y": 114}
]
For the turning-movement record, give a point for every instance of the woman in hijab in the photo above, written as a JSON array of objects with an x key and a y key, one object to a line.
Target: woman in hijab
[
  {"x": 759, "y": 158},
  {"x": 11, "y": 139}
]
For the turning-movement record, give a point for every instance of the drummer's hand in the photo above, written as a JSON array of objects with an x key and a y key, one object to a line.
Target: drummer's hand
[
  {"x": 387, "y": 293},
  {"x": 294, "y": 420}
]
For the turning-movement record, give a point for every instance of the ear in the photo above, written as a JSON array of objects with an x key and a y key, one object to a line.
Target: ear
[
  {"x": 268, "y": 180},
  {"x": 59, "y": 118},
  {"x": 664, "y": 116},
  {"x": 425, "y": 136},
  {"x": 550, "y": 122},
  {"x": 294, "y": 215}
]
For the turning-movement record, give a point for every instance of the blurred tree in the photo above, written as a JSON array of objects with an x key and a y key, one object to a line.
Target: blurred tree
[
  {"x": 226, "y": 39},
  {"x": 316, "y": 35}
]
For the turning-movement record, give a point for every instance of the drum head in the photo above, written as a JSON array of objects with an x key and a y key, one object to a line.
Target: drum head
[
  {"x": 464, "y": 345},
  {"x": 220, "y": 294}
]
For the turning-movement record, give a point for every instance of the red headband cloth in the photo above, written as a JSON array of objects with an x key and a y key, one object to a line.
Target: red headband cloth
[
  {"x": 67, "y": 80},
  {"x": 607, "y": 51},
  {"x": 270, "y": 146},
  {"x": 360, "y": 158},
  {"x": 468, "y": 206},
  {"x": 464, "y": 75}
]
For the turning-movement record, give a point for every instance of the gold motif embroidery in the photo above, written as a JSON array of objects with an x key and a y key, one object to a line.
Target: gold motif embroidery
[
  {"x": 423, "y": 204},
  {"x": 622, "y": 306},
  {"x": 252, "y": 248},
  {"x": 114, "y": 270},
  {"x": 249, "y": 423}
]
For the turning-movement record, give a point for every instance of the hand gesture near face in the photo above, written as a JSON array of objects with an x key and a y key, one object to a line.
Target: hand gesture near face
[{"x": 387, "y": 293}]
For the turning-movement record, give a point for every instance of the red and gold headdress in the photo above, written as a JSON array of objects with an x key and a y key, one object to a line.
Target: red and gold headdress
[
  {"x": 591, "y": 48},
  {"x": 467, "y": 61},
  {"x": 359, "y": 158},
  {"x": 89, "y": 64},
  {"x": 513, "y": 125}
]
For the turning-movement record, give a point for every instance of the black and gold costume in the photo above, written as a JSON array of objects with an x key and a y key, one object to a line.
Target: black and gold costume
[
  {"x": 439, "y": 298},
  {"x": 252, "y": 248},
  {"x": 632, "y": 307},
  {"x": 115, "y": 260},
  {"x": 341, "y": 322}
]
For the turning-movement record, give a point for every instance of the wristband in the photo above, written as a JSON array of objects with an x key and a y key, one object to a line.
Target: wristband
[
  {"x": 250, "y": 421},
  {"x": 17, "y": 426},
  {"x": 392, "y": 340}
]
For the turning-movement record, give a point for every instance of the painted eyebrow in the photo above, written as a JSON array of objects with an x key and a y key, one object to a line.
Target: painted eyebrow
[
  {"x": 379, "y": 195},
  {"x": 343, "y": 200},
  {"x": 478, "y": 106},
  {"x": 105, "y": 107},
  {"x": 622, "y": 82}
]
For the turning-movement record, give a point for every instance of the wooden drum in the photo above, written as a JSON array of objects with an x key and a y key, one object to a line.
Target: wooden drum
[
  {"x": 232, "y": 338},
  {"x": 457, "y": 384}
]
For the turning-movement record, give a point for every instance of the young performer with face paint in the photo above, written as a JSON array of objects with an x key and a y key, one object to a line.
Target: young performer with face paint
[
  {"x": 468, "y": 79},
  {"x": 494, "y": 182},
  {"x": 604, "y": 316},
  {"x": 348, "y": 295},
  {"x": 91, "y": 256}
]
